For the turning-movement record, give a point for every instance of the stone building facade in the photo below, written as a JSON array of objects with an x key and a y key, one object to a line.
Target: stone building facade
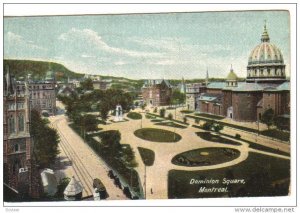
[
  {"x": 20, "y": 172},
  {"x": 265, "y": 87},
  {"x": 157, "y": 92}
]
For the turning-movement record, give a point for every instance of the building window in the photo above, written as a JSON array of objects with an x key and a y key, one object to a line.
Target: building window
[
  {"x": 16, "y": 148},
  {"x": 11, "y": 124},
  {"x": 21, "y": 122}
]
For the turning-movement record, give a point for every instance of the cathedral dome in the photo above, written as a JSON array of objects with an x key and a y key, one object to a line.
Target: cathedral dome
[
  {"x": 231, "y": 76},
  {"x": 265, "y": 62}
]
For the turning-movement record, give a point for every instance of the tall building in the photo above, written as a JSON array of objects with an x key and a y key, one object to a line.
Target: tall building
[
  {"x": 193, "y": 93},
  {"x": 42, "y": 93},
  {"x": 157, "y": 92},
  {"x": 20, "y": 172},
  {"x": 265, "y": 87}
]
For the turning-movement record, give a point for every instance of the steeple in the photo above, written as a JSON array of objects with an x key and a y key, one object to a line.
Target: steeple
[
  {"x": 265, "y": 36},
  {"x": 207, "y": 77}
]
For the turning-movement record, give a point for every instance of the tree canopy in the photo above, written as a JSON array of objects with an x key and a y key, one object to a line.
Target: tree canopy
[{"x": 45, "y": 140}]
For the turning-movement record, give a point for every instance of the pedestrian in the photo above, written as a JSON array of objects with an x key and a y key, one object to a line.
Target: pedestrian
[{"x": 151, "y": 191}]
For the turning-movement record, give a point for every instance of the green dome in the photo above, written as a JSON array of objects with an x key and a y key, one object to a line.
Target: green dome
[{"x": 231, "y": 76}]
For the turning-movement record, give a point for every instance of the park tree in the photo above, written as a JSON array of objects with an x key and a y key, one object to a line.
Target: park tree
[
  {"x": 162, "y": 112},
  {"x": 45, "y": 139},
  {"x": 282, "y": 123},
  {"x": 268, "y": 117},
  {"x": 104, "y": 109},
  {"x": 87, "y": 84},
  {"x": 177, "y": 97},
  {"x": 217, "y": 127},
  {"x": 170, "y": 116}
]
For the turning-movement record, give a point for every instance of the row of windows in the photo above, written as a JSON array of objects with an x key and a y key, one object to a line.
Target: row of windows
[
  {"x": 12, "y": 123},
  {"x": 12, "y": 106}
]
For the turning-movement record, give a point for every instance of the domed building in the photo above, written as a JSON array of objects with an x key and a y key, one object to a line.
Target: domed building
[
  {"x": 265, "y": 63},
  {"x": 265, "y": 87}
]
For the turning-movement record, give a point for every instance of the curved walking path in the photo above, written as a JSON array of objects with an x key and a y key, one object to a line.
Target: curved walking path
[{"x": 157, "y": 174}]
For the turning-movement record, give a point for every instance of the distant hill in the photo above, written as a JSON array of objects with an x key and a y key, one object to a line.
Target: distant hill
[{"x": 38, "y": 69}]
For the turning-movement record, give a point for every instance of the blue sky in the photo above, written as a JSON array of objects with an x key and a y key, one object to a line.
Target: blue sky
[{"x": 147, "y": 45}]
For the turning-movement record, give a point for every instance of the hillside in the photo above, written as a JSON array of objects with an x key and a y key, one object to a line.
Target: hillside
[{"x": 38, "y": 69}]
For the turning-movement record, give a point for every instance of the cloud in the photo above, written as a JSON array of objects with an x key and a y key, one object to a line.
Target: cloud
[
  {"x": 15, "y": 40},
  {"x": 92, "y": 40}
]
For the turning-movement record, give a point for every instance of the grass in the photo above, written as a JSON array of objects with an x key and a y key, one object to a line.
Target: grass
[
  {"x": 260, "y": 147},
  {"x": 272, "y": 133},
  {"x": 154, "y": 116},
  {"x": 205, "y": 156},
  {"x": 186, "y": 111},
  {"x": 215, "y": 117},
  {"x": 275, "y": 133},
  {"x": 264, "y": 176},
  {"x": 147, "y": 155},
  {"x": 171, "y": 124},
  {"x": 134, "y": 115},
  {"x": 216, "y": 138},
  {"x": 156, "y": 120},
  {"x": 157, "y": 135},
  {"x": 251, "y": 144}
]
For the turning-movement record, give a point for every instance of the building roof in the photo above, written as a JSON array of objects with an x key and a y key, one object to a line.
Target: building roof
[
  {"x": 156, "y": 82},
  {"x": 73, "y": 188},
  {"x": 209, "y": 97},
  {"x": 284, "y": 86},
  {"x": 216, "y": 85}
]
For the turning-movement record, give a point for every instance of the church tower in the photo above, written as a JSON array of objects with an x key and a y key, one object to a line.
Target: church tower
[{"x": 17, "y": 144}]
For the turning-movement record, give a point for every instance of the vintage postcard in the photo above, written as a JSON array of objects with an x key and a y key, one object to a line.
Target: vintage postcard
[{"x": 179, "y": 105}]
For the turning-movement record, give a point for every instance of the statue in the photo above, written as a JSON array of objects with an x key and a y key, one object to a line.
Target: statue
[{"x": 119, "y": 113}]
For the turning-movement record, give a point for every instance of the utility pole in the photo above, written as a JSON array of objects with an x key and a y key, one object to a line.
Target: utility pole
[{"x": 145, "y": 183}]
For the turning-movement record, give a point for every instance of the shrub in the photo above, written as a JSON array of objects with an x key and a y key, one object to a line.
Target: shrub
[
  {"x": 155, "y": 110},
  {"x": 237, "y": 136},
  {"x": 162, "y": 112},
  {"x": 197, "y": 120},
  {"x": 184, "y": 119},
  {"x": 170, "y": 116},
  {"x": 207, "y": 125}
]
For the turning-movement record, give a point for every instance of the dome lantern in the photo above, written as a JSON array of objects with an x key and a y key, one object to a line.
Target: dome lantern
[{"x": 265, "y": 36}]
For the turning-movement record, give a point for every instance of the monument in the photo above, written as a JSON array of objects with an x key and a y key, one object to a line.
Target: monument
[{"x": 119, "y": 113}]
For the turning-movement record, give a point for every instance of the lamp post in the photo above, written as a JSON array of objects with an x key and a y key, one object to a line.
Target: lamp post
[{"x": 145, "y": 183}]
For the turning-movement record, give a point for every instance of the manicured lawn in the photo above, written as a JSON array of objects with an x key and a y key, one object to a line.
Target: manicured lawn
[
  {"x": 151, "y": 115},
  {"x": 215, "y": 117},
  {"x": 134, "y": 115},
  {"x": 263, "y": 175},
  {"x": 147, "y": 155},
  {"x": 260, "y": 147},
  {"x": 157, "y": 135},
  {"x": 275, "y": 133},
  {"x": 186, "y": 111},
  {"x": 156, "y": 120},
  {"x": 215, "y": 138},
  {"x": 171, "y": 124},
  {"x": 205, "y": 156}
]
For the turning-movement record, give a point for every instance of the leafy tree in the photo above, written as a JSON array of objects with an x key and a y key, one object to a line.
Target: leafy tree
[
  {"x": 184, "y": 119},
  {"x": 87, "y": 84},
  {"x": 177, "y": 97},
  {"x": 268, "y": 117},
  {"x": 170, "y": 116},
  {"x": 217, "y": 127},
  {"x": 162, "y": 112},
  {"x": 282, "y": 123},
  {"x": 45, "y": 139},
  {"x": 88, "y": 123},
  {"x": 207, "y": 125},
  {"x": 104, "y": 109}
]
